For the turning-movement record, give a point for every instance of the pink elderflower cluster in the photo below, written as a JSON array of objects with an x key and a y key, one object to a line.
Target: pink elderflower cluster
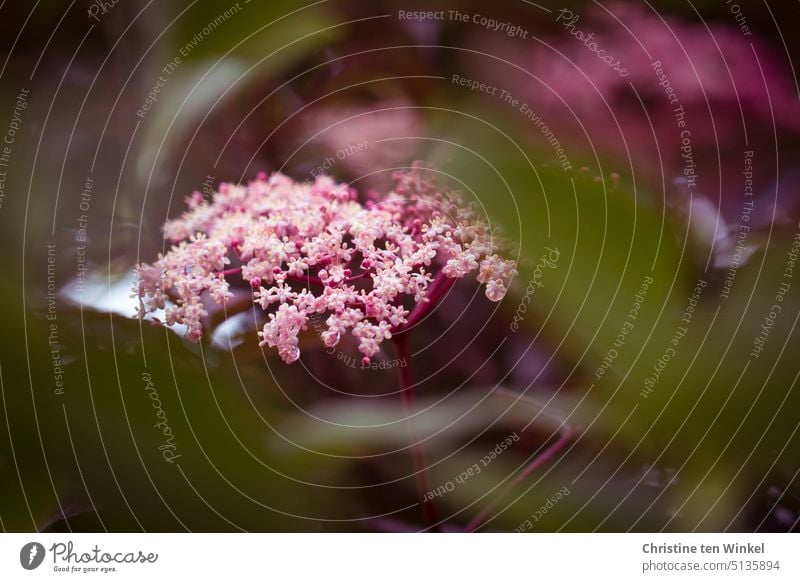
[{"x": 313, "y": 250}]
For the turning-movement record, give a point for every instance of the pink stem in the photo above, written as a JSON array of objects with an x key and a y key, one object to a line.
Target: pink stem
[
  {"x": 540, "y": 460},
  {"x": 440, "y": 286},
  {"x": 310, "y": 279},
  {"x": 356, "y": 277},
  {"x": 299, "y": 279},
  {"x": 429, "y": 513},
  {"x": 318, "y": 281}
]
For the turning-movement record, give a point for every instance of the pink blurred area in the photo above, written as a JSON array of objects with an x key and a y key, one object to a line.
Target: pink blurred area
[{"x": 735, "y": 89}]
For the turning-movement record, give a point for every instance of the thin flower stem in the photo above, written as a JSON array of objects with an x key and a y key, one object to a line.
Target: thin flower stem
[
  {"x": 310, "y": 279},
  {"x": 357, "y": 277},
  {"x": 297, "y": 278},
  {"x": 317, "y": 281},
  {"x": 537, "y": 462},
  {"x": 437, "y": 290},
  {"x": 429, "y": 513}
]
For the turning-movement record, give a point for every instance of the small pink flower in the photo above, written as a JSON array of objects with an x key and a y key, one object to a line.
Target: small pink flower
[
  {"x": 495, "y": 290},
  {"x": 281, "y": 331}
]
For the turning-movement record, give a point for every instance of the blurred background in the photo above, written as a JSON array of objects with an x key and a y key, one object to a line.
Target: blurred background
[{"x": 647, "y": 151}]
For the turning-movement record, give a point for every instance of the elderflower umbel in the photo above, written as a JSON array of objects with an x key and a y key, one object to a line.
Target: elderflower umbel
[{"x": 313, "y": 248}]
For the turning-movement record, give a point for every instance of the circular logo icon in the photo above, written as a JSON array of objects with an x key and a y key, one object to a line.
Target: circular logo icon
[{"x": 31, "y": 555}]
